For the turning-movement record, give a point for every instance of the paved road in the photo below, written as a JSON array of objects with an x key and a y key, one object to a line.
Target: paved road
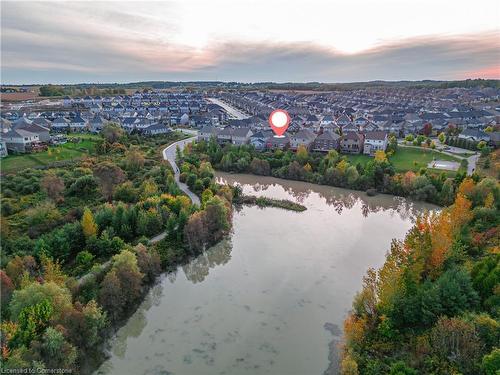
[
  {"x": 169, "y": 154},
  {"x": 236, "y": 113}
]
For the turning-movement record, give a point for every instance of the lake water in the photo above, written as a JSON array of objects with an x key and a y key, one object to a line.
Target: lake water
[{"x": 271, "y": 298}]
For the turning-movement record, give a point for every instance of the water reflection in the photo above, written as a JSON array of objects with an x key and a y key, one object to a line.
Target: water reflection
[
  {"x": 337, "y": 198},
  {"x": 271, "y": 299},
  {"x": 198, "y": 269}
]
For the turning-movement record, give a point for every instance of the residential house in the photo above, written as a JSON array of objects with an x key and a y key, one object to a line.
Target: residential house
[
  {"x": 343, "y": 120},
  {"x": 60, "y": 124},
  {"x": 350, "y": 127},
  {"x": 241, "y": 136},
  {"x": 78, "y": 123},
  {"x": 258, "y": 139},
  {"x": 207, "y": 132},
  {"x": 19, "y": 140},
  {"x": 327, "y": 120},
  {"x": 156, "y": 129},
  {"x": 375, "y": 141},
  {"x": 96, "y": 124},
  {"x": 326, "y": 141},
  {"x": 275, "y": 142},
  {"x": 474, "y": 135},
  {"x": 42, "y": 132},
  {"x": 352, "y": 143},
  {"x": 304, "y": 137}
]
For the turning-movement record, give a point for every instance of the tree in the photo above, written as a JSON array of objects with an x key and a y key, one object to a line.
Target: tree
[
  {"x": 109, "y": 175},
  {"x": 55, "y": 351},
  {"x": 83, "y": 187},
  {"x": 42, "y": 218},
  {"x": 126, "y": 192},
  {"x": 84, "y": 324},
  {"x": 89, "y": 227},
  {"x": 380, "y": 156},
  {"x": 122, "y": 284},
  {"x": 20, "y": 266},
  {"x": 455, "y": 340},
  {"x": 58, "y": 296},
  {"x": 84, "y": 261},
  {"x": 148, "y": 188},
  {"x": 302, "y": 154},
  {"x": 111, "y": 295},
  {"x": 427, "y": 129},
  {"x": 134, "y": 160},
  {"x": 196, "y": 232},
  {"x": 442, "y": 137},
  {"x": 6, "y": 289},
  {"x": 491, "y": 362},
  {"x": 260, "y": 167},
  {"x": 148, "y": 262},
  {"x": 53, "y": 186},
  {"x": 112, "y": 132},
  {"x": 32, "y": 320}
]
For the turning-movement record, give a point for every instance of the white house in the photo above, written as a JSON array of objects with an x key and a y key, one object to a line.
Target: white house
[
  {"x": 375, "y": 141},
  {"x": 19, "y": 139}
]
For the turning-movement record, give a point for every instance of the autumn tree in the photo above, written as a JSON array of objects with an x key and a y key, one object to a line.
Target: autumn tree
[
  {"x": 380, "y": 156},
  {"x": 53, "y": 186},
  {"x": 122, "y": 284},
  {"x": 302, "y": 154},
  {"x": 427, "y": 129},
  {"x": 134, "y": 160},
  {"x": 196, "y": 231},
  {"x": 89, "y": 226},
  {"x": 84, "y": 324},
  {"x": 109, "y": 175}
]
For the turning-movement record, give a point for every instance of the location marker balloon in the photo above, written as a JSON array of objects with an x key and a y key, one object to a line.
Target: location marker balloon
[{"x": 279, "y": 121}]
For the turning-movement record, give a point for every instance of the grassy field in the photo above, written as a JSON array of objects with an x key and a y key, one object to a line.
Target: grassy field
[
  {"x": 406, "y": 159},
  {"x": 67, "y": 151}
]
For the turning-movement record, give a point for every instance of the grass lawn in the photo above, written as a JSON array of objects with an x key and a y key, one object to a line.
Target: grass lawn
[
  {"x": 407, "y": 158},
  {"x": 67, "y": 151},
  {"x": 355, "y": 159}
]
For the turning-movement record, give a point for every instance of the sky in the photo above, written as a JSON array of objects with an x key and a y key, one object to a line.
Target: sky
[{"x": 248, "y": 40}]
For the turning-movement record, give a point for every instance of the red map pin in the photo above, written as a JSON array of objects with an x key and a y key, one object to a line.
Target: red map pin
[{"x": 279, "y": 121}]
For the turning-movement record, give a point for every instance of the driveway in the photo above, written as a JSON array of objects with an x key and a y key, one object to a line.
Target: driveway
[{"x": 169, "y": 154}]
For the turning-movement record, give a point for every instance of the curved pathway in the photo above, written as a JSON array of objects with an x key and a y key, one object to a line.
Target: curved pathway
[{"x": 169, "y": 154}]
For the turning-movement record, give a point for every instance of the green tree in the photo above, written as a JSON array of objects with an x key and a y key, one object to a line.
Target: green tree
[
  {"x": 56, "y": 352},
  {"x": 57, "y": 296},
  {"x": 32, "y": 320}
]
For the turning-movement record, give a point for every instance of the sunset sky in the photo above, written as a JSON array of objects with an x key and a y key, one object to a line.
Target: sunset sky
[{"x": 249, "y": 41}]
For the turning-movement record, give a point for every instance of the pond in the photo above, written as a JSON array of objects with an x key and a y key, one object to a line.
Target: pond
[{"x": 271, "y": 298}]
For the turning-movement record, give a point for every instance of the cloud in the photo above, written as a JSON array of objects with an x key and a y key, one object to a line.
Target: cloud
[{"x": 109, "y": 43}]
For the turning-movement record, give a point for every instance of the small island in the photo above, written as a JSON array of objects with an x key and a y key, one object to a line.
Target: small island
[{"x": 270, "y": 202}]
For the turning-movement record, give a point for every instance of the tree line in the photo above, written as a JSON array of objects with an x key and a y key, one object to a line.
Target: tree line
[
  {"x": 376, "y": 175},
  {"x": 433, "y": 307},
  {"x": 77, "y": 257}
]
